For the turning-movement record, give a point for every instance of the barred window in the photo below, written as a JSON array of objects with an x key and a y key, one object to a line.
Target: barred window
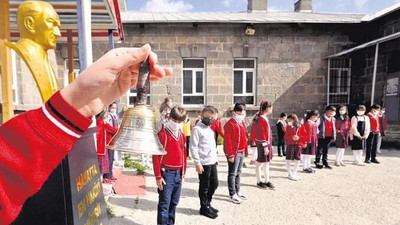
[{"x": 339, "y": 71}]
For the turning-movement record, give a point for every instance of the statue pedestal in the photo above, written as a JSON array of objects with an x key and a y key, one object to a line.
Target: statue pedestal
[{"x": 73, "y": 194}]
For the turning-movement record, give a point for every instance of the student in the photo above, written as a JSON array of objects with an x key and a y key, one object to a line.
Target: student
[
  {"x": 295, "y": 136},
  {"x": 311, "y": 128},
  {"x": 41, "y": 138},
  {"x": 235, "y": 145},
  {"x": 372, "y": 140},
  {"x": 261, "y": 130},
  {"x": 187, "y": 131},
  {"x": 216, "y": 126},
  {"x": 343, "y": 127},
  {"x": 326, "y": 135},
  {"x": 113, "y": 121},
  {"x": 170, "y": 169},
  {"x": 165, "y": 110},
  {"x": 204, "y": 155},
  {"x": 383, "y": 126},
  {"x": 281, "y": 127},
  {"x": 360, "y": 129}
]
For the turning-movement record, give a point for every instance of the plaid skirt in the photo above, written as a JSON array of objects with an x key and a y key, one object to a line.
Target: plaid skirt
[
  {"x": 104, "y": 164},
  {"x": 260, "y": 154},
  {"x": 311, "y": 149},
  {"x": 293, "y": 152}
]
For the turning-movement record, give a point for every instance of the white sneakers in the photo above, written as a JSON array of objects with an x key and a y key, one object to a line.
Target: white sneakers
[
  {"x": 294, "y": 177},
  {"x": 238, "y": 198},
  {"x": 359, "y": 163}
]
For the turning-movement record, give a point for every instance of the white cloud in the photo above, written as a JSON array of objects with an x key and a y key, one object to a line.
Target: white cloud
[
  {"x": 360, "y": 3},
  {"x": 166, "y": 6}
]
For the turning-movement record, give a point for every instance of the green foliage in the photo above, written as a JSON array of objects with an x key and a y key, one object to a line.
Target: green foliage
[
  {"x": 109, "y": 211},
  {"x": 128, "y": 163},
  {"x": 220, "y": 140}
]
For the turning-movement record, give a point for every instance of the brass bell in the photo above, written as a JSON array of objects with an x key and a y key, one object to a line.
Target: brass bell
[{"x": 137, "y": 133}]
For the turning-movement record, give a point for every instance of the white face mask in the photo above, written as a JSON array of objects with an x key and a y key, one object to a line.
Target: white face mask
[
  {"x": 175, "y": 127},
  {"x": 239, "y": 118},
  {"x": 113, "y": 111},
  {"x": 333, "y": 114},
  {"x": 290, "y": 123},
  {"x": 342, "y": 112},
  {"x": 375, "y": 113},
  {"x": 360, "y": 113}
]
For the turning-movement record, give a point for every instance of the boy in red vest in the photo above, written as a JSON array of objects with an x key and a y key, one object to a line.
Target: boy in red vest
[
  {"x": 326, "y": 136},
  {"x": 170, "y": 169},
  {"x": 373, "y": 136}
]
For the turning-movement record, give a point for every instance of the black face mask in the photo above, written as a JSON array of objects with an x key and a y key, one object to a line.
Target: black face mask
[{"x": 207, "y": 121}]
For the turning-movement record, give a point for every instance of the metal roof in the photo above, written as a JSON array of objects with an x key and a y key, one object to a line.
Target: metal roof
[
  {"x": 382, "y": 13},
  {"x": 239, "y": 17},
  {"x": 105, "y": 16}
]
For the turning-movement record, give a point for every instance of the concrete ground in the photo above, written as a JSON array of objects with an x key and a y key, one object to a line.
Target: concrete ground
[{"x": 345, "y": 195}]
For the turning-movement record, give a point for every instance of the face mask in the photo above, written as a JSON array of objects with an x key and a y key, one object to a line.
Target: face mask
[
  {"x": 290, "y": 123},
  {"x": 375, "y": 113},
  {"x": 207, "y": 121},
  {"x": 333, "y": 114},
  {"x": 239, "y": 118},
  {"x": 360, "y": 113},
  {"x": 342, "y": 112},
  {"x": 175, "y": 127},
  {"x": 113, "y": 111}
]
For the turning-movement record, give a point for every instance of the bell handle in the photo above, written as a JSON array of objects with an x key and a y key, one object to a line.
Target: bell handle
[{"x": 142, "y": 84}]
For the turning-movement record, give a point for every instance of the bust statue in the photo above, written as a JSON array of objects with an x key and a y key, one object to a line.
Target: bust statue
[{"x": 39, "y": 27}]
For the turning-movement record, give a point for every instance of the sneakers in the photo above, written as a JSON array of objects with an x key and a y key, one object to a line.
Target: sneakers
[
  {"x": 214, "y": 209},
  {"x": 236, "y": 199},
  {"x": 358, "y": 163},
  {"x": 309, "y": 170},
  {"x": 261, "y": 185},
  {"x": 342, "y": 164},
  {"x": 375, "y": 161},
  {"x": 208, "y": 212},
  {"x": 269, "y": 185},
  {"x": 291, "y": 177},
  {"x": 318, "y": 166},
  {"x": 327, "y": 166},
  {"x": 367, "y": 161},
  {"x": 242, "y": 196}
]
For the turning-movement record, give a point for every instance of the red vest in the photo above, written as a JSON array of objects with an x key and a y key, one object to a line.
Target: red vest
[
  {"x": 235, "y": 138},
  {"x": 328, "y": 128},
  {"x": 375, "y": 126}
]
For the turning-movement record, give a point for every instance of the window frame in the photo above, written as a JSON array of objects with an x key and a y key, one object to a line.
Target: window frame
[
  {"x": 336, "y": 91},
  {"x": 245, "y": 70},
  {"x": 66, "y": 69},
  {"x": 194, "y": 82}
]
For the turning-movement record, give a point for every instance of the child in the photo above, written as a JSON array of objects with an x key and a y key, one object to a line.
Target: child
[
  {"x": 281, "y": 127},
  {"x": 104, "y": 134},
  {"x": 187, "y": 131},
  {"x": 343, "y": 127},
  {"x": 112, "y": 120},
  {"x": 170, "y": 169},
  {"x": 294, "y": 136},
  {"x": 204, "y": 154},
  {"x": 383, "y": 125},
  {"x": 311, "y": 128},
  {"x": 326, "y": 135},
  {"x": 216, "y": 126},
  {"x": 372, "y": 140},
  {"x": 235, "y": 145},
  {"x": 360, "y": 128},
  {"x": 253, "y": 142},
  {"x": 165, "y": 110},
  {"x": 261, "y": 130}
]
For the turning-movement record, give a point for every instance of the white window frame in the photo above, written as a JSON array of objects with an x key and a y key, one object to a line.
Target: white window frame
[
  {"x": 245, "y": 70},
  {"x": 131, "y": 94},
  {"x": 338, "y": 82},
  {"x": 14, "y": 77},
  {"x": 194, "y": 71},
  {"x": 66, "y": 70}
]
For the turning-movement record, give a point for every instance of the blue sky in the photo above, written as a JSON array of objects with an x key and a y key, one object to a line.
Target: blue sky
[{"x": 342, "y": 6}]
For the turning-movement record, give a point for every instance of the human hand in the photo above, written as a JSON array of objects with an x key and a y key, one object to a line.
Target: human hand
[
  {"x": 109, "y": 78},
  {"x": 160, "y": 184},
  {"x": 266, "y": 151},
  {"x": 231, "y": 159},
  {"x": 199, "y": 169},
  {"x": 295, "y": 138}
]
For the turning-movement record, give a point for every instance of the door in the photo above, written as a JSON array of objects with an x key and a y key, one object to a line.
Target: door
[{"x": 392, "y": 98}]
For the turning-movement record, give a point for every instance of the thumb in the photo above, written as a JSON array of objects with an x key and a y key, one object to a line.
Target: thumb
[{"x": 126, "y": 57}]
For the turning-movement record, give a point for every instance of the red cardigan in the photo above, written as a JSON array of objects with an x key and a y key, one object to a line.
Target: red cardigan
[
  {"x": 175, "y": 159},
  {"x": 217, "y": 126},
  {"x": 291, "y": 131},
  {"x": 104, "y": 134},
  {"x": 32, "y": 144},
  {"x": 261, "y": 132},
  {"x": 235, "y": 136},
  {"x": 310, "y": 128}
]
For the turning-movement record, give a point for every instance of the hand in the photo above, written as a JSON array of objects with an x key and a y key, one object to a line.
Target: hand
[
  {"x": 253, "y": 144},
  {"x": 305, "y": 146},
  {"x": 295, "y": 138},
  {"x": 333, "y": 140},
  {"x": 231, "y": 159},
  {"x": 360, "y": 138},
  {"x": 199, "y": 169},
  {"x": 160, "y": 184},
  {"x": 110, "y": 77},
  {"x": 266, "y": 151}
]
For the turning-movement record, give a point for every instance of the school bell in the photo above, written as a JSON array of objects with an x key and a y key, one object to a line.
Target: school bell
[{"x": 137, "y": 133}]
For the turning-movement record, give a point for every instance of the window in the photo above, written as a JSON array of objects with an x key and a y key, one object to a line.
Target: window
[
  {"x": 132, "y": 95},
  {"x": 339, "y": 81},
  {"x": 76, "y": 70},
  {"x": 244, "y": 80},
  {"x": 193, "y": 78},
  {"x": 14, "y": 77}
]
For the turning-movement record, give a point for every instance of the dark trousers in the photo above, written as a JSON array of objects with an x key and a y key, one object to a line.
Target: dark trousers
[
  {"x": 110, "y": 164},
  {"x": 372, "y": 142},
  {"x": 234, "y": 171},
  {"x": 323, "y": 147},
  {"x": 187, "y": 145},
  {"x": 207, "y": 185},
  {"x": 169, "y": 197},
  {"x": 281, "y": 146}
]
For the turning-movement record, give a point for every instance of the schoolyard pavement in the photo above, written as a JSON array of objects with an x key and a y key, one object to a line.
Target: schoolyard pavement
[{"x": 344, "y": 195}]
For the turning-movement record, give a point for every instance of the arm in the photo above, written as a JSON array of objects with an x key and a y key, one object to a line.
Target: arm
[
  {"x": 367, "y": 127},
  {"x": 354, "y": 125},
  {"x": 219, "y": 129},
  {"x": 157, "y": 158},
  {"x": 228, "y": 148},
  {"x": 194, "y": 146},
  {"x": 32, "y": 145},
  {"x": 184, "y": 157}
]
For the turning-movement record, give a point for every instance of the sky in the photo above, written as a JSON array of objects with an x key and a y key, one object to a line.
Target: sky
[{"x": 335, "y": 6}]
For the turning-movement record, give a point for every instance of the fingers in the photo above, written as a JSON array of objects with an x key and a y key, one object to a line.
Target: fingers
[{"x": 125, "y": 57}]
